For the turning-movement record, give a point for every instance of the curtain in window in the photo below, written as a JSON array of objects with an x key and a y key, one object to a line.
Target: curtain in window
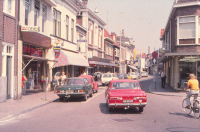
[{"x": 186, "y": 30}]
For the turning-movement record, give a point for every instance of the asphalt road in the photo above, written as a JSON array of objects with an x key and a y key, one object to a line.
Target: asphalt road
[{"x": 162, "y": 113}]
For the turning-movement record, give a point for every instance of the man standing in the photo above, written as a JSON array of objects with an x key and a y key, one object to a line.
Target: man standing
[
  {"x": 62, "y": 78},
  {"x": 163, "y": 78}
]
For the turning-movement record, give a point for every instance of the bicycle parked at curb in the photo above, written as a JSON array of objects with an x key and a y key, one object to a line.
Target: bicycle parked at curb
[{"x": 194, "y": 107}]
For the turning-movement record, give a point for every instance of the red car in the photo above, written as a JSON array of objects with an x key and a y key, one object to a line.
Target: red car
[
  {"x": 91, "y": 80},
  {"x": 125, "y": 94}
]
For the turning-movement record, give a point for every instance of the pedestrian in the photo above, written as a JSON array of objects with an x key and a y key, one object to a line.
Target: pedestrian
[
  {"x": 63, "y": 78},
  {"x": 83, "y": 73},
  {"x": 193, "y": 83},
  {"x": 163, "y": 78}
]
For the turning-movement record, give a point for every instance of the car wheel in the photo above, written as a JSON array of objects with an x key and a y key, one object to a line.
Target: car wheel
[
  {"x": 97, "y": 91},
  {"x": 91, "y": 94},
  {"x": 141, "y": 109},
  {"x": 110, "y": 109},
  {"x": 93, "y": 91},
  {"x": 102, "y": 84},
  {"x": 85, "y": 98},
  {"x": 61, "y": 98}
]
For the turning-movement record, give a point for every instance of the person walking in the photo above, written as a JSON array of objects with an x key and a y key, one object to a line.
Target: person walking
[
  {"x": 193, "y": 83},
  {"x": 62, "y": 78},
  {"x": 163, "y": 78}
]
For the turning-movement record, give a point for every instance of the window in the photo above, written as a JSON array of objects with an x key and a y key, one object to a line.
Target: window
[
  {"x": 8, "y": 49},
  {"x": 199, "y": 28},
  {"x": 9, "y": 6},
  {"x": 99, "y": 41},
  {"x": 56, "y": 23},
  {"x": 27, "y": 6},
  {"x": 67, "y": 26},
  {"x": 72, "y": 31},
  {"x": 35, "y": 17},
  {"x": 89, "y": 54},
  {"x": 44, "y": 14}
]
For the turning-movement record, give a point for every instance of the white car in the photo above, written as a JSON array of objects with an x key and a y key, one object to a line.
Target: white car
[
  {"x": 133, "y": 75},
  {"x": 144, "y": 74},
  {"x": 107, "y": 77}
]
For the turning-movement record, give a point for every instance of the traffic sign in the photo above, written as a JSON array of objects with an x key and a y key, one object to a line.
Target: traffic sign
[{"x": 154, "y": 54}]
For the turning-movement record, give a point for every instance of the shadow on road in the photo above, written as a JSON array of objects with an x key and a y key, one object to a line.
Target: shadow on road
[
  {"x": 183, "y": 129},
  {"x": 69, "y": 100},
  {"x": 182, "y": 114},
  {"x": 104, "y": 110}
]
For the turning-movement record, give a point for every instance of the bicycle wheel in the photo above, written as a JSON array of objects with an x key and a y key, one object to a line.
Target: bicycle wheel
[
  {"x": 196, "y": 109},
  {"x": 184, "y": 104}
]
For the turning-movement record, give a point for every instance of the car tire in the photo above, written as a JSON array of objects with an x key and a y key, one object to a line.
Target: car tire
[
  {"x": 97, "y": 91},
  {"x": 103, "y": 84},
  {"x": 61, "y": 98},
  {"x": 85, "y": 98},
  {"x": 141, "y": 109},
  {"x": 91, "y": 94},
  {"x": 110, "y": 109}
]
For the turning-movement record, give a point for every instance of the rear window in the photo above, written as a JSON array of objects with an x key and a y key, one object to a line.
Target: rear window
[
  {"x": 107, "y": 75},
  {"x": 133, "y": 73},
  {"x": 74, "y": 81},
  {"x": 125, "y": 85}
]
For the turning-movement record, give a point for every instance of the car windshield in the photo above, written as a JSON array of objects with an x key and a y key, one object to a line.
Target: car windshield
[
  {"x": 125, "y": 85},
  {"x": 133, "y": 73},
  {"x": 120, "y": 74},
  {"x": 106, "y": 75},
  {"x": 74, "y": 81}
]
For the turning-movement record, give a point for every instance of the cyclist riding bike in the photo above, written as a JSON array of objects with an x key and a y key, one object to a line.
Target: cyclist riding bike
[{"x": 193, "y": 83}]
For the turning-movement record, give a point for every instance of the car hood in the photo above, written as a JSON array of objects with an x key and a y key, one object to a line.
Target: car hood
[{"x": 127, "y": 92}]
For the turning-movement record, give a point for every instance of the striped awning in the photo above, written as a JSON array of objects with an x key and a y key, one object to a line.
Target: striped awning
[{"x": 68, "y": 58}]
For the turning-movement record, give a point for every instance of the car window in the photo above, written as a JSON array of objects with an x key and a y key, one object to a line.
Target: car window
[
  {"x": 133, "y": 73},
  {"x": 125, "y": 85},
  {"x": 74, "y": 81},
  {"x": 107, "y": 75}
]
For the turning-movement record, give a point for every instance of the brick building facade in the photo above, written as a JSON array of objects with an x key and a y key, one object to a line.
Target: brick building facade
[{"x": 181, "y": 43}]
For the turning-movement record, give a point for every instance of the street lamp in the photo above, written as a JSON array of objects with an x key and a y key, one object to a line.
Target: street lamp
[{"x": 96, "y": 10}]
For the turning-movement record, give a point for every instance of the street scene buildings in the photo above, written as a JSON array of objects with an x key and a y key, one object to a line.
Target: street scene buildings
[{"x": 63, "y": 69}]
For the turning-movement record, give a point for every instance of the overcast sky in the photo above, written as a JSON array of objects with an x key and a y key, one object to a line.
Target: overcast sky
[{"x": 141, "y": 19}]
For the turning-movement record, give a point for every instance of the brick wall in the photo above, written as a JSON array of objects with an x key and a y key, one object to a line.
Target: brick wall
[
  {"x": 188, "y": 48},
  {"x": 99, "y": 54},
  {"x": 108, "y": 57},
  {"x": 1, "y": 33},
  {"x": 185, "y": 1}
]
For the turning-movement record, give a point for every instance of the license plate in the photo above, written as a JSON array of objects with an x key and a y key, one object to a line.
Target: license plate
[{"x": 127, "y": 101}]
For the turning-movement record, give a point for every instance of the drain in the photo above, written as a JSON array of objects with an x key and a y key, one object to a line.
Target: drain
[{"x": 123, "y": 120}]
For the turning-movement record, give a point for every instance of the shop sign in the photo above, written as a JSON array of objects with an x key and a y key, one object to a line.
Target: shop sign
[
  {"x": 30, "y": 29},
  {"x": 57, "y": 48},
  {"x": 32, "y": 50}
]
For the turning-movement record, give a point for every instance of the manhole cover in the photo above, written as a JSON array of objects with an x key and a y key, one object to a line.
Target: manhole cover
[{"x": 123, "y": 120}]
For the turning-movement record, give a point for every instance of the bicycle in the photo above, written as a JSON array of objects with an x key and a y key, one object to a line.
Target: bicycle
[{"x": 194, "y": 107}]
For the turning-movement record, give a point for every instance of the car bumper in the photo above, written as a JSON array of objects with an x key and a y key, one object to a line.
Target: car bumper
[
  {"x": 71, "y": 94},
  {"x": 120, "y": 105}
]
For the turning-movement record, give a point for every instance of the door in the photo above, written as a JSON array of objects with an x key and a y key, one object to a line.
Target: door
[{"x": 8, "y": 74}]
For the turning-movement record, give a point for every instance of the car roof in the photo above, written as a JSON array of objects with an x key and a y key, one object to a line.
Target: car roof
[
  {"x": 85, "y": 76},
  {"x": 123, "y": 80}
]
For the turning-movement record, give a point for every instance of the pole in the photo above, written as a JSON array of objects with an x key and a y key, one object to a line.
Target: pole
[{"x": 120, "y": 55}]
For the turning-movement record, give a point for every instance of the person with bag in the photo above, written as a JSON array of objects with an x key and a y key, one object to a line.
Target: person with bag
[{"x": 163, "y": 78}]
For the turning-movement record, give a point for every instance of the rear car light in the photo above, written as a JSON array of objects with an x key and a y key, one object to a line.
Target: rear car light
[
  {"x": 57, "y": 91},
  {"x": 80, "y": 91},
  {"x": 139, "y": 98},
  {"x": 115, "y": 98}
]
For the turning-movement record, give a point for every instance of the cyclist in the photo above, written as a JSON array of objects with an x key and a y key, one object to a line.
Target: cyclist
[{"x": 194, "y": 84}]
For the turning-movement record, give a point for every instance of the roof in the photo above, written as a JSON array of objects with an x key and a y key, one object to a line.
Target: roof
[
  {"x": 106, "y": 34},
  {"x": 85, "y": 76}
]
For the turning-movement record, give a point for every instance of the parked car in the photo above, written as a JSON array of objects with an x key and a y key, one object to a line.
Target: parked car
[
  {"x": 91, "y": 80},
  {"x": 144, "y": 74},
  {"x": 122, "y": 76},
  {"x": 133, "y": 75},
  {"x": 107, "y": 77},
  {"x": 125, "y": 94},
  {"x": 75, "y": 87}
]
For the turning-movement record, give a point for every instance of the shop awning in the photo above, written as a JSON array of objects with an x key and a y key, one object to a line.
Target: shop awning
[
  {"x": 102, "y": 63},
  {"x": 68, "y": 58},
  {"x": 132, "y": 67}
]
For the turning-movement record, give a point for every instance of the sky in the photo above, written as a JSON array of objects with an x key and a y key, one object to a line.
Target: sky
[{"x": 141, "y": 20}]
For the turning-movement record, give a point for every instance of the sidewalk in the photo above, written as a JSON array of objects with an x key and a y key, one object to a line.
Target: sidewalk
[
  {"x": 28, "y": 102},
  {"x": 167, "y": 91}
]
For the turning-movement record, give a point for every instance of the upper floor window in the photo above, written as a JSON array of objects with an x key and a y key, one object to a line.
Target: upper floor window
[
  {"x": 44, "y": 15},
  {"x": 9, "y": 7},
  {"x": 72, "y": 30},
  {"x": 27, "y": 7},
  {"x": 36, "y": 17},
  {"x": 67, "y": 27},
  {"x": 100, "y": 38},
  {"x": 56, "y": 23}
]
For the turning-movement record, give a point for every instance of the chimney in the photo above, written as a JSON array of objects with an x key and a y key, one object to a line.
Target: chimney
[
  {"x": 123, "y": 32},
  {"x": 85, "y": 2}
]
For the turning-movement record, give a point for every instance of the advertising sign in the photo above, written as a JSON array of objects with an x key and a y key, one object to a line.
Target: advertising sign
[
  {"x": 32, "y": 50},
  {"x": 30, "y": 29}
]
